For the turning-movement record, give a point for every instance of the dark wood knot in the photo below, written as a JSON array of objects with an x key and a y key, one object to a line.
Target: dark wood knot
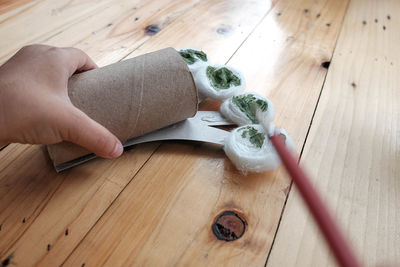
[
  {"x": 152, "y": 29},
  {"x": 229, "y": 226},
  {"x": 326, "y": 64}
]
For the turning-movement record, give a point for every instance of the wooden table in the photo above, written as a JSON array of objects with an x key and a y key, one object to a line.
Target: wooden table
[{"x": 332, "y": 69}]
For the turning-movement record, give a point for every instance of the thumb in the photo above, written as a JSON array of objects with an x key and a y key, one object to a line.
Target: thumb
[{"x": 78, "y": 128}]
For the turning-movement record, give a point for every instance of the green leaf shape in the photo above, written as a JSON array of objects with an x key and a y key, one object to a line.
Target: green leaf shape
[
  {"x": 255, "y": 137},
  {"x": 222, "y": 78},
  {"x": 247, "y": 103},
  {"x": 190, "y": 56}
]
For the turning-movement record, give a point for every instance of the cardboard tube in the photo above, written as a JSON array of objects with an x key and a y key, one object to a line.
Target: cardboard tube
[{"x": 131, "y": 98}]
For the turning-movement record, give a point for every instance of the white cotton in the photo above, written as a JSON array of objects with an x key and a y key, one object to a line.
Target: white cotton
[
  {"x": 288, "y": 140},
  {"x": 236, "y": 114},
  {"x": 201, "y": 98},
  {"x": 247, "y": 157},
  {"x": 198, "y": 64},
  {"x": 206, "y": 89}
]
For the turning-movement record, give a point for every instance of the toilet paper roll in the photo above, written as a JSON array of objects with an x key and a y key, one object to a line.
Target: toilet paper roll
[{"x": 131, "y": 98}]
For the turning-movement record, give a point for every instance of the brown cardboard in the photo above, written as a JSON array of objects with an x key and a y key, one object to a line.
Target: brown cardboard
[{"x": 131, "y": 98}]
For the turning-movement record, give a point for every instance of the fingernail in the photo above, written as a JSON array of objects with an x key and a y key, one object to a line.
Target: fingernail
[{"x": 117, "y": 150}]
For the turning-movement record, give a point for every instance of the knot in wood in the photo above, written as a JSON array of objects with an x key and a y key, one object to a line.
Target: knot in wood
[
  {"x": 152, "y": 29},
  {"x": 326, "y": 64},
  {"x": 229, "y": 226}
]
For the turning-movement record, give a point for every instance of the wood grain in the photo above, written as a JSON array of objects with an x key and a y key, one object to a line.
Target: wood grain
[
  {"x": 121, "y": 28},
  {"x": 164, "y": 216},
  {"x": 41, "y": 19},
  {"x": 37, "y": 205},
  {"x": 9, "y": 7},
  {"x": 220, "y": 36},
  {"x": 352, "y": 151},
  {"x": 74, "y": 200}
]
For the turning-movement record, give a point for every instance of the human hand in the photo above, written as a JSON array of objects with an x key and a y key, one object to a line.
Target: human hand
[{"x": 34, "y": 103}]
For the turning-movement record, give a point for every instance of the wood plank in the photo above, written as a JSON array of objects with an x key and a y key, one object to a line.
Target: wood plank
[
  {"x": 120, "y": 29},
  {"x": 74, "y": 200},
  {"x": 41, "y": 19},
  {"x": 352, "y": 152},
  {"x": 10, "y": 7},
  {"x": 37, "y": 205},
  {"x": 164, "y": 216},
  {"x": 221, "y": 36}
]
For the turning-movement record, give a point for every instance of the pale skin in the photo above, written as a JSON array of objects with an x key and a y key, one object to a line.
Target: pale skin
[{"x": 34, "y": 103}]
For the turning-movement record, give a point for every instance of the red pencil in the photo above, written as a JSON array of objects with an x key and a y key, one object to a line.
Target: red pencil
[
  {"x": 333, "y": 236},
  {"x": 326, "y": 223}
]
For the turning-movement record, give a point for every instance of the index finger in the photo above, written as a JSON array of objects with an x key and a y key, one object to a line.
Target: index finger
[{"x": 79, "y": 60}]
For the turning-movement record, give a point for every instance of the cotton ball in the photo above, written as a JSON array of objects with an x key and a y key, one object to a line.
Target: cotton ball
[
  {"x": 219, "y": 81},
  {"x": 250, "y": 149},
  {"x": 288, "y": 140},
  {"x": 194, "y": 58},
  {"x": 241, "y": 109}
]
